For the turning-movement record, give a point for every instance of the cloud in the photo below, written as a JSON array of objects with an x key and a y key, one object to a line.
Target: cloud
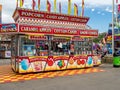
[
  {"x": 93, "y": 10},
  {"x": 9, "y": 6},
  {"x": 108, "y": 9},
  {"x": 98, "y": 3}
]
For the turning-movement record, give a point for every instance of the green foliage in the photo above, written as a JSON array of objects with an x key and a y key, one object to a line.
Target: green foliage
[{"x": 99, "y": 38}]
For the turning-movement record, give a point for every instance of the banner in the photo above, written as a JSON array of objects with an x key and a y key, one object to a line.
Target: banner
[
  {"x": 21, "y": 3},
  {"x": 39, "y": 5},
  {"x": 69, "y": 7},
  {"x": 17, "y": 3},
  {"x": 116, "y": 1},
  {"x": 54, "y": 5},
  {"x": 60, "y": 7},
  {"x": 118, "y": 8},
  {"x": 33, "y": 4},
  {"x": 75, "y": 10},
  {"x": 82, "y": 13},
  {"x": 48, "y": 6}
]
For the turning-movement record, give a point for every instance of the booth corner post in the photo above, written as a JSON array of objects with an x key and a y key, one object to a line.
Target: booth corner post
[{"x": 112, "y": 27}]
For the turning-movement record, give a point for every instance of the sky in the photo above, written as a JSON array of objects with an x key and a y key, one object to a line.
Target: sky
[{"x": 99, "y": 11}]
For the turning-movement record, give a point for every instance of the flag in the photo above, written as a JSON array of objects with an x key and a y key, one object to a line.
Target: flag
[
  {"x": 38, "y": 4},
  {"x": 21, "y": 3},
  {"x": 75, "y": 10},
  {"x": 33, "y": 4},
  {"x": 0, "y": 14},
  {"x": 54, "y": 5},
  {"x": 69, "y": 7},
  {"x": 59, "y": 7},
  {"x": 17, "y": 3},
  {"x": 82, "y": 13},
  {"x": 118, "y": 8},
  {"x": 116, "y": 1},
  {"x": 0, "y": 8},
  {"x": 48, "y": 6}
]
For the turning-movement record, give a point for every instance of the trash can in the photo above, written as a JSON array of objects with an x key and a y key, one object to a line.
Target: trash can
[{"x": 116, "y": 59}]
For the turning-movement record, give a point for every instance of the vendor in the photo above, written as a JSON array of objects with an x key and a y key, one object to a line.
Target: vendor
[{"x": 72, "y": 48}]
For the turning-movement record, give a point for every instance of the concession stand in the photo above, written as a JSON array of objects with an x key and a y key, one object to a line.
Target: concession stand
[{"x": 43, "y": 41}]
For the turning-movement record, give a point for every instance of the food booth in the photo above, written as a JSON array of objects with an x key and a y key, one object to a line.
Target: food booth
[
  {"x": 5, "y": 46},
  {"x": 43, "y": 41}
]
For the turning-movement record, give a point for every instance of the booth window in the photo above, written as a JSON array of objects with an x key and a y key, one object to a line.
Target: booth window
[
  {"x": 33, "y": 47},
  {"x": 83, "y": 46},
  {"x": 27, "y": 47},
  {"x": 42, "y": 48},
  {"x": 60, "y": 46}
]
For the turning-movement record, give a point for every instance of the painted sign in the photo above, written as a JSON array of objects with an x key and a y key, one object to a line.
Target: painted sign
[
  {"x": 61, "y": 31},
  {"x": 9, "y": 28},
  {"x": 47, "y": 63},
  {"x": 7, "y": 54},
  {"x": 35, "y": 29},
  {"x": 88, "y": 32},
  {"x": 37, "y": 37},
  {"x": 51, "y": 16},
  {"x": 77, "y": 38}
]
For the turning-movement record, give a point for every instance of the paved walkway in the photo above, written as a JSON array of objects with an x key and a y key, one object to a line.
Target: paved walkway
[
  {"x": 107, "y": 80},
  {"x": 4, "y": 62},
  {"x": 7, "y": 75}
]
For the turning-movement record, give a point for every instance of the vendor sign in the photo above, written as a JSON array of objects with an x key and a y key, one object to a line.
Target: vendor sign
[
  {"x": 53, "y": 31},
  {"x": 9, "y": 28}
]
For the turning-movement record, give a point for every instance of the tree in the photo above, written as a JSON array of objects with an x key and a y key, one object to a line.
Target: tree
[{"x": 99, "y": 38}]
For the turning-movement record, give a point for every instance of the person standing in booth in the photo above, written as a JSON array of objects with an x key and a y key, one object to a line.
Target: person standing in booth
[{"x": 72, "y": 48}]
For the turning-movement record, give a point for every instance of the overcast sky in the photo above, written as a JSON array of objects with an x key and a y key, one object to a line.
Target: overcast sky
[{"x": 99, "y": 11}]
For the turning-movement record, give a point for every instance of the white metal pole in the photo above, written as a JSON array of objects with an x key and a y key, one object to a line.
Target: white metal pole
[
  {"x": 117, "y": 12},
  {"x": 112, "y": 27}
]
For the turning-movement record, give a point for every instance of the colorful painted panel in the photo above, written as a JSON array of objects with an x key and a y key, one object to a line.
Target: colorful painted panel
[
  {"x": 48, "y": 63},
  {"x": 32, "y": 64}
]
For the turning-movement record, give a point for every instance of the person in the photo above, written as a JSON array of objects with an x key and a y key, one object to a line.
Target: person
[
  {"x": 98, "y": 49},
  {"x": 72, "y": 48},
  {"x": 104, "y": 51}
]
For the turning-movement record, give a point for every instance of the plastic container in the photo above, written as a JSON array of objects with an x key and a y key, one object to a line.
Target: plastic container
[{"x": 116, "y": 60}]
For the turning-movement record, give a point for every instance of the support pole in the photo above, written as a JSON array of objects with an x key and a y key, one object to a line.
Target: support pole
[{"x": 112, "y": 27}]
